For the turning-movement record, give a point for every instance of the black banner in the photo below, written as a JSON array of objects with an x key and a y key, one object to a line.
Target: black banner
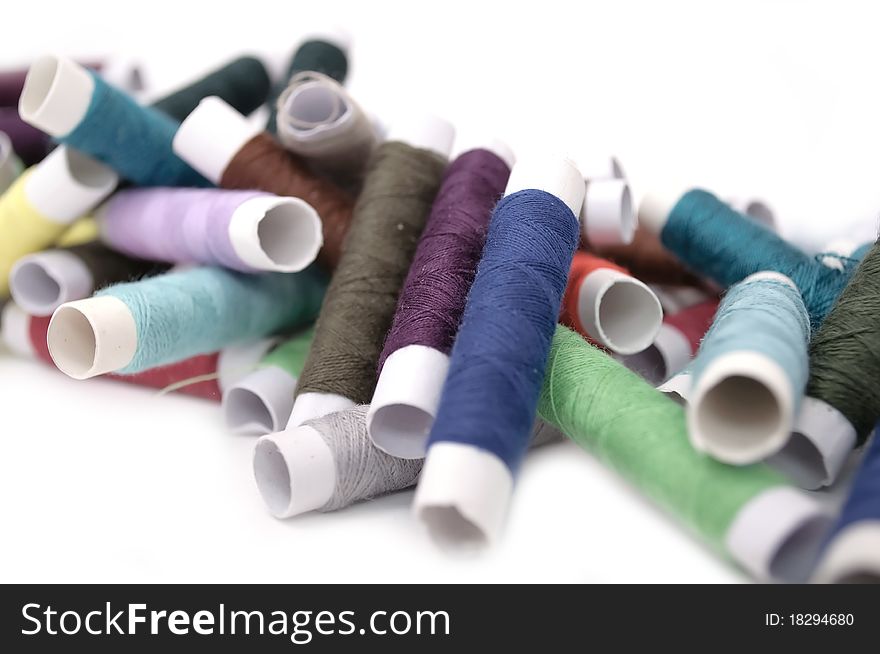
[{"x": 430, "y": 618}]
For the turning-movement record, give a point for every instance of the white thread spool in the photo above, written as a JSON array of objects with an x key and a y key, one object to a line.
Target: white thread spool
[
  {"x": 425, "y": 132},
  {"x": 408, "y": 391},
  {"x": 464, "y": 491},
  {"x": 261, "y": 402}
]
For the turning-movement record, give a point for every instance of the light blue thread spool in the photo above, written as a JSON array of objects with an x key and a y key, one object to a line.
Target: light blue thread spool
[{"x": 751, "y": 371}]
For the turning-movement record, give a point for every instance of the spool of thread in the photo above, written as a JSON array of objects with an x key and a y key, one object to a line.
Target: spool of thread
[
  {"x": 727, "y": 247},
  {"x": 325, "y": 53},
  {"x": 330, "y": 463},
  {"x": 42, "y": 203},
  {"x": 843, "y": 402},
  {"x": 751, "y": 371},
  {"x": 675, "y": 345},
  {"x": 205, "y": 376},
  {"x": 222, "y": 145},
  {"x": 852, "y": 554},
  {"x": 10, "y": 164},
  {"x": 81, "y": 110},
  {"x": 747, "y": 512},
  {"x": 606, "y": 304},
  {"x": 242, "y": 82},
  {"x": 248, "y": 231},
  {"x": 128, "y": 328},
  {"x": 415, "y": 359},
  {"x": 261, "y": 402},
  {"x": 401, "y": 182},
  {"x": 122, "y": 72},
  {"x": 318, "y": 120},
  {"x": 42, "y": 282},
  {"x": 647, "y": 259},
  {"x": 497, "y": 364}
]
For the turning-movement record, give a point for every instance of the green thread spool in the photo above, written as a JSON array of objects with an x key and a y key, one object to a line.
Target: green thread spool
[
  {"x": 261, "y": 402},
  {"x": 746, "y": 512}
]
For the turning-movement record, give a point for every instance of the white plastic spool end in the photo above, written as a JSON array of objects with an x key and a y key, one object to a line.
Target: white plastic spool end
[
  {"x": 261, "y": 402},
  {"x": 776, "y": 535},
  {"x": 15, "y": 330},
  {"x": 67, "y": 184},
  {"x": 619, "y": 311},
  {"x": 853, "y": 556},
  {"x": 295, "y": 471},
  {"x": 210, "y": 137},
  {"x": 92, "y": 337},
  {"x": 463, "y": 495},
  {"x": 56, "y": 95},
  {"x": 553, "y": 174},
  {"x": 406, "y": 399},
  {"x": 277, "y": 234},
  {"x": 40, "y": 283},
  {"x": 668, "y": 355},
  {"x": 607, "y": 216},
  {"x": 654, "y": 210}
]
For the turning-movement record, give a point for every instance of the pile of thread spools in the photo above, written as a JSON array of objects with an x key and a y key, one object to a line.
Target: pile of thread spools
[{"x": 387, "y": 314}]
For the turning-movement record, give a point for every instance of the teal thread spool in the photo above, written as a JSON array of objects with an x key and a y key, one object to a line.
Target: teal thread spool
[
  {"x": 719, "y": 243},
  {"x": 751, "y": 371},
  {"x": 132, "y": 327}
]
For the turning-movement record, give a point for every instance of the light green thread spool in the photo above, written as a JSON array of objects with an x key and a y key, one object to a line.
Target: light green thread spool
[{"x": 635, "y": 429}]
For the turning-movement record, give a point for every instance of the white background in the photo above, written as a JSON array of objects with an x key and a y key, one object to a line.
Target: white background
[{"x": 103, "y": 482}]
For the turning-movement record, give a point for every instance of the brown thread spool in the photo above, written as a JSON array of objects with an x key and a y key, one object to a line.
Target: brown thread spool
[{"x": 222, "y": 145}]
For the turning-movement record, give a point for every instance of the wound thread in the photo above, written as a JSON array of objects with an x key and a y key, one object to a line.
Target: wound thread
[
  {"x": 161, "y": 378},
  {"x": 845, "y": 352},
  {"x": 243, "y": 83},
  {"x": 182, "y": 314},
  {"x": 751, "y": 371},
  {"x": 263, "y": 164},
  {"x": 132, "y": 139},
  {"x": 694, "y": 321},
  {"x": 212, "y": 227},
  {"x": 399, "y": 188},
  {"x": 433, "y": 298},
  {"x": 315, "y": 55},
  {"x": 318, "y": 120},
  {"x": 634, "y": 429},
  {"x": 727, "y": 247},
  {"x": 498, "y": 360}
]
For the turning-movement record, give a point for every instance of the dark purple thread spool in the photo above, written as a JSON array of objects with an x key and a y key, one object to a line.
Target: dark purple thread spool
[{"x": 432, "y": 302}]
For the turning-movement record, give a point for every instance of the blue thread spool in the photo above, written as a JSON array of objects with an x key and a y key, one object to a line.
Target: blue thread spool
[
  {"x": 81, "y": 110},
  {"x": 751, "y": 371},
  {"x": 132, "y": 327},
  {"x": 497, "y": 365},
  {"x": 852, "y": 553},
  {"x": 727, "y": 247}
]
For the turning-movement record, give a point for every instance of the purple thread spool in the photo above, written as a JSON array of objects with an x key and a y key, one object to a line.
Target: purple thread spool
[
  {"x": 415, "y": 359},
  {"x": 248, "y": 231}
]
